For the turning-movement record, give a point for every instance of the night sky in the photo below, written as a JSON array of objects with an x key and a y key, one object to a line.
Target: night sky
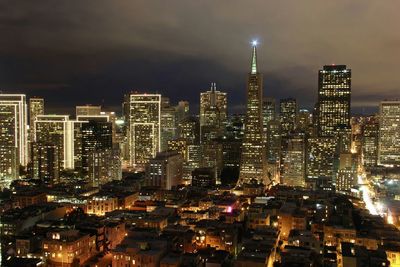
[{"x": 80, "y": 52}]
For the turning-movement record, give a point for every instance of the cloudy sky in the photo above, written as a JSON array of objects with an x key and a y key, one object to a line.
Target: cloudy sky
[{"x": 79, "y": 51}]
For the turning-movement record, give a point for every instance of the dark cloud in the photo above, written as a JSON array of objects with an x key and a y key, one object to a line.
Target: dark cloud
[{"x": 75, "y": 52}]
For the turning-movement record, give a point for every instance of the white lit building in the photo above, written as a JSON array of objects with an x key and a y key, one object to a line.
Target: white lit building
[{"x": 144, "y": 127}]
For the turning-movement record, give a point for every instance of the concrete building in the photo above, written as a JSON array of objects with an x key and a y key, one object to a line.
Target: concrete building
[{"x": 165, "y": 170}]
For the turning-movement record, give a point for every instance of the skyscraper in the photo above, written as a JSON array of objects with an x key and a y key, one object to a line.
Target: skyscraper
[
  {"x": 13, "y": 134},
  {"x": 213, "y": 115},
  {"x": 370, "y": 143},
  {"x": 96, "y": 135},
  {"x": 320, "y": 157},
  {"x": 45, "y": 162},
  {"x": 57, "y": 130},
  {"x": 287, "y": 115},
  {"x": 168, "y": 124},
  {"x": 389, "y": 133},
  {"x": 334, "y": 96},
  {"x": 274, "y": 139},
  {"x": 253, "y": 163},
  {"x": 294, "y": 165},
  {"x": 36, "y": 107},
  {"x": 144, "y": 127}
]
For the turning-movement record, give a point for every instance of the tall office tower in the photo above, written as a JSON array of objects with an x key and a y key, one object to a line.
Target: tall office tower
[
  {"x": 334, "y": 95},
  {"x": 36, "y": 107},
  {"x": 253, "y": 163},
  {"x": 294, "y": 165},
  {"x": 189, "y": 129},
  {"x": 389, "y": 133},
  {"x": 96, "y": 135},
  {"x": 45, "y": 162},
  {"x": 269, "y": 110},
  {"x": 165, "y": 170},
  {"x": 370, "y": 143},
  {"x": 13, "y": 131},
  {"x": 168, "y": 125},
  {"x": 88, "y": 110},
  {"x": 104, "y": 166},
  {"x": 320, "y": 158},
  {"x": 182, "y": 111},
  {"x": 304, "y": 121},
  {"x": 274, "y": 139},
  {"x": 57, "y": 130},
  {"x": 144, "y": 127},
  {"x": 287, "y": 115},
  {"x": 213, "y": 115}
]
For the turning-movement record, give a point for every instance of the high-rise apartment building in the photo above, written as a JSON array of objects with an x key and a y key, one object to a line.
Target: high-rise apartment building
[
  {"x": 287, "y": 115},
  {"x": 144, "y": 127},
  {"x": 213, "y": 113},
  {"x": 253, "y": 162},
  {"x": 45, "y": 162},
  {"x": 13, "y": 136},
  {"x": 389, "y": 133},
  {"x": 334, "y": 99}
]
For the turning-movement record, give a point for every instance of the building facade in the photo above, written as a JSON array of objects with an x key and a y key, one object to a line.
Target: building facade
[
  {"x": 144, "y": 127},
  {"x": 165, "y": 170},
  {"x": 334, "y": 99},
  {"x": 389, "y": 133}
]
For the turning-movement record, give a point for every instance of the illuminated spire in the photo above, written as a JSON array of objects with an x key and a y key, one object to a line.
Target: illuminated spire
[{"x": 254, "y": 58}]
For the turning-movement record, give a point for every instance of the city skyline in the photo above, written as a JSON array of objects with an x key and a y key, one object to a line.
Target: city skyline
[
  {"x": 199, "y": 134},
  {"x": 77, "y": 52}
]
